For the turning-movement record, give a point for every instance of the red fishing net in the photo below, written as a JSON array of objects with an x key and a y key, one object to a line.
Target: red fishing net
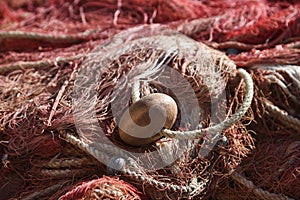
[
  {"x": 45, "y": 44},
  {"x": 103, "y": 188}
]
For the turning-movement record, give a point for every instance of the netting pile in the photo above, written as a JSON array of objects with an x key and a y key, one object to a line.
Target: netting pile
[
  {"x": 103, "y": 188},
  {"x": 49, "y": 49},
  {"x": 273, "y": 165}
]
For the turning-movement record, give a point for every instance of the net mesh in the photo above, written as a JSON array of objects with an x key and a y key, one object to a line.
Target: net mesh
[{"x": 44, "y": 44}]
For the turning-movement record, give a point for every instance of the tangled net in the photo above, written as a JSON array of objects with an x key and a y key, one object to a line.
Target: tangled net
[
  {"x": 45, "y": 44},
  {"x": 180, "y": 173},
  {"x": 103, "y": 188},
  {"x": 274, "y": 164}
]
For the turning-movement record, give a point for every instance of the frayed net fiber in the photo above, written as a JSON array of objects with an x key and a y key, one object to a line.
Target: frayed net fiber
[
  {"x": 111, "y": 70},
  {"x": 168, "y": 62}
]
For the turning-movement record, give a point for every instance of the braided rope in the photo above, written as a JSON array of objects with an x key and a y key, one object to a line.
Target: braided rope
[
  {"x": 95, "y": 152},
  {"x": 72, "y": 162},
  {"x": 37, "y": 64},
  {"x": 257, "y": 191},
  {"x": 139, "y": 175},
  {"x": 104, "y": 192},
  {"x": 45, "y": 192},
  {"x": 136, "y": 175},
  {"x": 57, "y": 173},
  {"x": 165, "y": 58},
  {"x": 46, "y": 37},
  {"x": 135, "y": 93},
  {"x": 282, "y": 116},
  {"x": 163, "y": 185},
  {"x": 282, "y": 85},
  {"x": 195, "y": 134}
]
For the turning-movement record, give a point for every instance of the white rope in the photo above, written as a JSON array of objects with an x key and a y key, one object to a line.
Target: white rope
[
  {"x": 163, "y": 185},
  {"x": 101, "y": 155},
  {"x": 282, "y": 116},
  {"x": 195, "y": 134},
  {"x": 135, "y": 93},
  {"x": 259, "y": 192},
  {"x": 41, "y": 194}
]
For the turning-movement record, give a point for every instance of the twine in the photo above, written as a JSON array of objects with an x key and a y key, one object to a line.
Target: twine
[
  {"x": 257, "y": 191},
  {"x": 60, "y": 95},
  {"x": 196, "y": 134}
]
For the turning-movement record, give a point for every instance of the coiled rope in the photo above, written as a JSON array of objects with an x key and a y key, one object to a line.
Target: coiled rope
[
  {"x": 133, "y": 170},
  {"x": 195, "y": 134},
  {"x": 282, "y": 116},
  {"x": 103, "y": 152},
  {"x": 259, "y": 192}
]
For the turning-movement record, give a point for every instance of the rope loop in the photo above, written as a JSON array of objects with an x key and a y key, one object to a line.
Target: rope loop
[{"x": 195, "y": 134}]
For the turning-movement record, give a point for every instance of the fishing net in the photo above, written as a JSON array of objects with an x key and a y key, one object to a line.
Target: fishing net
[
  {"x": 271, "y": 170},
  {"x": 113, "y": 64},
  {"x": 103, "y": 188},
  {"x": 56, "y": 55}
]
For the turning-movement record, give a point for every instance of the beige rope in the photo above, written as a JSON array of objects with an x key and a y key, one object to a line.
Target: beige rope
[
  {"x": 113, "y": 193},
  {"x": 282, "y": 116},
  {"x": 69, "y": 162},
  {"x": 163, "y": 185},
  {"x": 45, "y": 192},
  {"x": 58, "y": 173},
  {"x": 6, "y": 68},
  {"x": 195, "y": 134},
  {"x": 102, "y": 153},
  {"x": 263, "y": 194},
  {"x": 135, "y": 93},
  {"x": 46, "y": 37}
]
